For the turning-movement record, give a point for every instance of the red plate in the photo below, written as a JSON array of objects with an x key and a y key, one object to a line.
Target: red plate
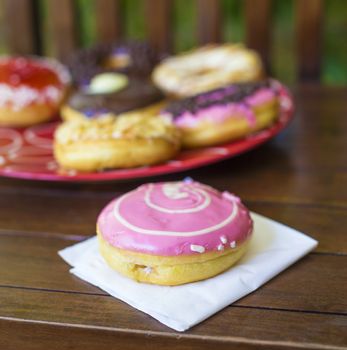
[{"x": 27, "y": 153}]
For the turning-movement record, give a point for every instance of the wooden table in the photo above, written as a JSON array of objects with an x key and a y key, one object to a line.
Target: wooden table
[{"x": 300, "y": 179}]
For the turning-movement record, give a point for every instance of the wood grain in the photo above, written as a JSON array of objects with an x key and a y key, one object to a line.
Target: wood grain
[
  {"x": 259, "y": 28},
  {"x": 108, "y": 20},
  {"x": 21, "y": 27},
  {"x": 104, "y": 318},
  {"x": 294, "y": 289},
  {"x": 158, "y": 23},
  {"x": 63, "y": 28},
  {"x": 309, "y": 17},
  {"x": 209, "y": 21}
]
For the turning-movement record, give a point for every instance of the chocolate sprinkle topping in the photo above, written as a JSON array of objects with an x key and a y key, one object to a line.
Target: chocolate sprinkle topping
[
  {"x": 139, "y": 93},
  {"x": 229, "y": 94},
  {"x": 87, "y": 63}
]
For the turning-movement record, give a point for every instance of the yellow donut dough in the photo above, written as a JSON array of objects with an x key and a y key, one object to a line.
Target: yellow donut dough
[
  {"x": 207, "y": 133},
  {"x": 169, "y": 271},
  {"x": 122, "y": 142}
]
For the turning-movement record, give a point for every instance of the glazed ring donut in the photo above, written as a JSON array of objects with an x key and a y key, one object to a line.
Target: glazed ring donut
[
  {"x": 31, "y": 89},
  {"x": 112, "y": 79},
  {"x": 123, "y": 142},
  {"x": 207, "y": 68},
  {"x": 185, "y": 232},
  {"x": 225, "y": 114}
]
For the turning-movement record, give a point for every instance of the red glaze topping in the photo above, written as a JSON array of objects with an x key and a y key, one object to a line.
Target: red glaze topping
[{"x": 30, "y": 72}]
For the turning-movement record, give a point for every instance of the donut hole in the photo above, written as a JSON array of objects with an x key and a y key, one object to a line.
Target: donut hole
[
  {"x": 204, "y": 71},
  {"x": 117, "y": 61}
]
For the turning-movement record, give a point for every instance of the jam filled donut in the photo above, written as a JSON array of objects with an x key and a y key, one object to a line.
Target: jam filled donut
[
  {"x": 225, "y": 114},
  {"x": 207, "y": 68},
  {"x": 112, "y": 79},
  {"x": 173, "y": 233},
  {"x": 31, "y": 89},
  {"x": 124, "y": 142}
]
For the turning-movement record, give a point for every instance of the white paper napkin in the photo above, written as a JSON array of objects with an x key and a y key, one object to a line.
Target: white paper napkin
[{"x": 273, "y": 248}]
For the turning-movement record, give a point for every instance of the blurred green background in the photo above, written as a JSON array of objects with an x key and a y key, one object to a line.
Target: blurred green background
[{"x": 334, "y": 62}]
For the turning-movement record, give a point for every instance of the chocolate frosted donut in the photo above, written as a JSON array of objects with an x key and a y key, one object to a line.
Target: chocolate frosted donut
[
  {"x": 112, "y": 79},
  {"x": 222, "y": 96},
  {"x": 137, "y": 94},
  {"x": 126, "y": 57}
]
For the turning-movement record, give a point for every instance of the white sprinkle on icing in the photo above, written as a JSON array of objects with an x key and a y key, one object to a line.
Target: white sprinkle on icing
[
  {"x": 197, "y": 248},
  {"x": 223, "y": 239},
  {"x": 220, "y": 247},
  {"x": 232, "y": 244}
]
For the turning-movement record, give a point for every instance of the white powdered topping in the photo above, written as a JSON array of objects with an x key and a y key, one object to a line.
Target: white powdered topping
[
  {"x": 18, "y": 97},
  {"x": 220, "y": 247},
  {"x": 22, "y": 96},
  {"x": 232, "y": 244},
  {"x": 223, "y": 239},
  {"x": 197, "y": 248}
]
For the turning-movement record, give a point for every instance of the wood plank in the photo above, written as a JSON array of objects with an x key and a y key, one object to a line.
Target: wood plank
[
  {"x": 323, "y": 224},
  {"x": 35, "y": 263},
  {"x": 63, "y": 27},
  {"x": 158, "y": 23},
  {"x": 108, "y": 23},
  {"x": 209, "y": 21},
  {"x": 37, "y": 212},
  {"x": 309, "y": 18},
  {"x": 306, "y": 286},
  {"x": 317, "y": 283},
  {"x": 91, "y": 320},
  {"x": 21, "y": 17},
  {"x": 259, "y": 28}
]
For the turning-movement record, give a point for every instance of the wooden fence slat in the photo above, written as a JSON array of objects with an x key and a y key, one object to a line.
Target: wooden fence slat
[
  {"x": 258, "y": 28},
  {"x": 20, "y": 22},
  {"x": 61, "y": 14},
  {"x": 158, "y": 23},
  {"x": 209, "y": 21},
  {"x": 107, "y": 16},
  {"x": 309, "y": 16}
]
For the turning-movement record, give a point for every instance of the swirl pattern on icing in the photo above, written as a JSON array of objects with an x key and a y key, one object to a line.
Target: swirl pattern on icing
[{"x": 174, "y": 218}]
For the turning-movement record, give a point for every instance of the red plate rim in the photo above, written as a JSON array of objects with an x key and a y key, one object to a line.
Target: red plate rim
[{"x": 190, "y": 158}]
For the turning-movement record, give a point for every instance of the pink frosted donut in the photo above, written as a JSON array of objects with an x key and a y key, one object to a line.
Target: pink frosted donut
[{"x": 171, "y": 225}]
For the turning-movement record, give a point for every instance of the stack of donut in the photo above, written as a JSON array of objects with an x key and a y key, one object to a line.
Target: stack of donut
[
  {"x": 111, "y": 79},
  {"x": 130, "y": 107},
  {"x": 213, "y": 95}
]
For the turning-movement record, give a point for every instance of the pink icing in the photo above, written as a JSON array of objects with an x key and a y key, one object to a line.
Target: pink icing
[
  {"x": 221, "y": 112},
  {"x": 170, "y": 219},
  {"x": 216, "y": 114},
  {"x": 261, "y": 96}
]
